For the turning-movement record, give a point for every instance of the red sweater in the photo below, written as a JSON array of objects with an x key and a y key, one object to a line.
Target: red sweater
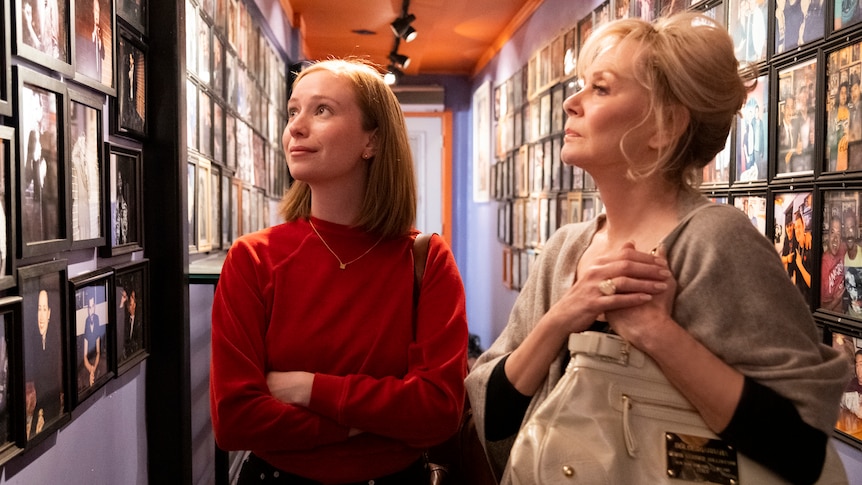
[{"x": 283, "y": 304}]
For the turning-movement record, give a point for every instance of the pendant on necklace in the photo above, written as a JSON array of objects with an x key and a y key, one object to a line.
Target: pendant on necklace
[{"x": 342, "y": 266}]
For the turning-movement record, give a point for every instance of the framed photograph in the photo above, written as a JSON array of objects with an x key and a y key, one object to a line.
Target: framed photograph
[
  {"x": 507, "y": 267},
  {"x": 482, "y": 142},
  {"x": 717, "y": 171},
  {"x": 42, "y": 33},
  {"x": 5, "y": 58},
  {"x": 796, "y": 126},
  {"x": 747, "y": 23},
  {"x": 130, "y": 106},
  {"x": 205, "y": 123},
  {"x": 87, "y": 159},
  {"x": 203, "y": 203},
  {"x": 8, "y": 204},
  {"x": 94, "y": 44},
  {"x": 42, "y": 190},
  {"x": 795, "y": 27},
  {"x": 123, "y": 225},
  {"x": 792, "y": 220},
  {"x": 237, "y": 209},
  {"x": 752, "y": 135},
  {"x": 43, "y": 323},
  {"x": 227, "y": 197},
  {"x": 132, "y": 309},
  {"x": 191, "y": 115},
  {"x": 216, "y": 197},
  {"x": 11, "y": 378},
  {"x": 191, "y": 202},
  {"x": 134, "y": 13},
  {"x": 753, "y": 206},
  {"x": 848, "y": 426},
  {"x": 840, "y": 274},
  {"x": 91, "y": 332},
  {"x": 843, "y": 109}
]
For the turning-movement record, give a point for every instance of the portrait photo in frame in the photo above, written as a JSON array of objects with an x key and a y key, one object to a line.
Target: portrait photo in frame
[
  {"x": 43, "y": 33},
  {"x": 46, "y": 387},
  {"x": 91, "y": 332},
  {"x": 123, "y": 226},
  {"x": 848, "y": 426},
  {"x": 752, "y": 134},
  {"x": 86, "y": 157},
  {"x": 795, "y": 119},
  {"x": 843, "y": 108},
  {"x": 8, "y": 204},
  {"x": 5, "y": 57},
  {"x": 132, "y": 309},
  {"x": 129, "y": 114},
  {"x": 840, "y": 272},
  {"x": 41, "y": 110},
  {"x": 133, "y": 13},
  {"x": 11, "y": 378},
  {"x": 747, "y": 23},
  {"x": 94, "y": 44},
  {"x": 793, "y": 221}
]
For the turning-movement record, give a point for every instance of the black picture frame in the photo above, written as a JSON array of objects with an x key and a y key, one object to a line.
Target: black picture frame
[
  {"x": 123, "y": 226},
  {"x": 131, "y": 282},
  {"x": 848, "y": 426},
  {"x": 840, "y": 277},
  {"x": 752, "y": 135},
  {"x": 42, "y": 119},
  {"x": 12, "y": 402},
  {"x": 45, "y": 351},
  {"x": 50, "y": 46},
  {"x": 5, "y": 59},
  {"x": 799, "y": 84},
  {"x": 787, "y": 31},
  {"x": 93, "y": 45},
  {"x": 843, "y": 120},
  {"x": 86, "y": 169},
  {"x": 787, "y": 208},
  {"x": 91, "y": 332},
  {"x": 9, "y": 201},
  {"x": 129, "y": 113},
  {"x": 134, "y": 14}
]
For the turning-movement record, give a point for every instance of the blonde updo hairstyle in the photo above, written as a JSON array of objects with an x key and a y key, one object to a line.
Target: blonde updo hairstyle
[
  {"x": 684, "y": 60},
  {"x": 389, "y": 205}
]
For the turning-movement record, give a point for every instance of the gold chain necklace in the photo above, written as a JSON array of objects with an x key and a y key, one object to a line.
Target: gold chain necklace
[{"x": 341, "y": 265}]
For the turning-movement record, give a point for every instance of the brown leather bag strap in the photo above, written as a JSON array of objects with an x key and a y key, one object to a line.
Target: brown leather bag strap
[{"x": 420, "y": 257}]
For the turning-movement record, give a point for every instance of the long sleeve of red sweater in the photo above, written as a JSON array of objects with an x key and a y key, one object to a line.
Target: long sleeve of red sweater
[{"x": 283, "y": 304}]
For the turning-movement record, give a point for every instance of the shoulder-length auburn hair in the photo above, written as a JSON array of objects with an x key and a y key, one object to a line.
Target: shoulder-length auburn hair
[{"x": 389, "y": 205}]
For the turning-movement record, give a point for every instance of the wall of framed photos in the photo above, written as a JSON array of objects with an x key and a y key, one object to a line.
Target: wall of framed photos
[
  {"x": 793, "y": 160},
  {"x": 236, "y": 93}
]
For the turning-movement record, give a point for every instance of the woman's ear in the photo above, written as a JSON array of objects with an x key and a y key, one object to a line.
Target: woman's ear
[
  {"x": 676, "y": 121},
  {"x": 371, "y": 147}
]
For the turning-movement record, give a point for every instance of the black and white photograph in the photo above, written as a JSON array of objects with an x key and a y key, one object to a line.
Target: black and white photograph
[
  {"x": 94, "y": 44},
  {"x": 41, "y": 108},
  {"x": 123, "y": 224},
  {"x": 43, "y": 33},
  {"x": 134, "y": 13},
  {"x": 86, "y": 159},
  {"x": 131, "y": 102},
  {"x": 131, "y": 308},
  {"x": 43, "y": 288},
  {"x": 8, "y": 203}
]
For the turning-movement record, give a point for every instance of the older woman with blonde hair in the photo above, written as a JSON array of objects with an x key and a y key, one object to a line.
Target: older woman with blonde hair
[{"x": 717, "y": 314}]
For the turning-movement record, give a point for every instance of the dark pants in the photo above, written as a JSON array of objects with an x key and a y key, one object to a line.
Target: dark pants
[{"x": 256, "y": 471}]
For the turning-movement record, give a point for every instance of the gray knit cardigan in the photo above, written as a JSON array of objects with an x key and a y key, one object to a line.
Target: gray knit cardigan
[{"x": 733, "y": 295}]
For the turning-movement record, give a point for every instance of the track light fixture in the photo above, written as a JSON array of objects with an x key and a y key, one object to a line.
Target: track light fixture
[
  {"x": 401, "y": 27},
  {"x": 393, "y": 75},
  {"x": 400, "y": 60}
]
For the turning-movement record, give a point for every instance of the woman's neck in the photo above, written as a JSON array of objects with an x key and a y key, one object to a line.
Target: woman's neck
[{"x": 644, "y": 212}]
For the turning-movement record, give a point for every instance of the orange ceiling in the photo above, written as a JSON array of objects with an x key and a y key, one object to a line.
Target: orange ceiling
[{"x": 454, "y": 36}]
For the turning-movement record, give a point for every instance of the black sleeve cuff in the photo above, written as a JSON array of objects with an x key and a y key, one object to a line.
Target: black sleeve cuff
[
  {"x": 767, "y": 428},
  {"x": 505, "y": 407}
]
